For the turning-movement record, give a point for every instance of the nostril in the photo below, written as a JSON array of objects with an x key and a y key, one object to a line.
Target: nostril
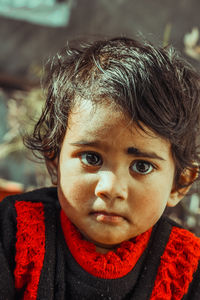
[{"x": 102, "y": 195}]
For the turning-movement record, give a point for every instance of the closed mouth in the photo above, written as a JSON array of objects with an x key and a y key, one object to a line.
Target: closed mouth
[{"x": 107, "y": 217}]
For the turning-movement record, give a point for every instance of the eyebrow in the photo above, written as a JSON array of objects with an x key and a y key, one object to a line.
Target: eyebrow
[
  {"x": 136, "y": 152},
  {"x": 130, "y": 150}
]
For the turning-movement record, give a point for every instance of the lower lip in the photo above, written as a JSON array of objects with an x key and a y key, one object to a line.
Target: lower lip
[{"x": 106, "y": 218}]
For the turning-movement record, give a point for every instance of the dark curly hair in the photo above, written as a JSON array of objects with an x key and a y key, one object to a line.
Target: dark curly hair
[{"x": 153, "y": 86}]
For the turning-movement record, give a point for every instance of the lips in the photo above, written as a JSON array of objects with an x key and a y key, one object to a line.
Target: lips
[{"x": 105, "y": 217}]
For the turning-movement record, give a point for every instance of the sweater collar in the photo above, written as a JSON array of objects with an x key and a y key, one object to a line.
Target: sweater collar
[{"x": 110, "y": 265}]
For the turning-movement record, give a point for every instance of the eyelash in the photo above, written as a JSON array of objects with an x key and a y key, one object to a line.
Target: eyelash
[
  {"x": 150, "y": 165},
  {"x": 92, "y": 154},
  {"x": 99, "y": 162}
]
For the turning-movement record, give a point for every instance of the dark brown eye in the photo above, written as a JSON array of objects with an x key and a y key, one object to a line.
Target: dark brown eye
[
  {"x": 91, "y": 159},
  {"x": 142, "y": 167}
]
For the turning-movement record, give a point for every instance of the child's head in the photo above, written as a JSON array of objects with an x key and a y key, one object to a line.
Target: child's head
[
  {"x": 152, "y": 86},
  {"x": 119, "y": 90}
]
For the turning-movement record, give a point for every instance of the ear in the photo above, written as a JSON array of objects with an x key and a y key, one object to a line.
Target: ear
[
  {"x": 52, "y": 167},
  {"x": 187, "y": 177}
]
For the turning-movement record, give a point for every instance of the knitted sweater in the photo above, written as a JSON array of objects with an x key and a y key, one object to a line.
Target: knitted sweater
[{"x": 38, "y": 262}]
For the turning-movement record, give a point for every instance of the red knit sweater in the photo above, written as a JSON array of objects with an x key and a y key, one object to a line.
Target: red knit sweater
[{"x": 177, "y": 264}]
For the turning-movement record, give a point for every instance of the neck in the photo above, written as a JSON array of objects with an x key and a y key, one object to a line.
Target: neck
[{"x": 104, "y": 250}]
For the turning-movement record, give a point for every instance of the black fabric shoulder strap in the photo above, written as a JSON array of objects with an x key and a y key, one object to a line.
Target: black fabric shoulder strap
[
  {"x": 47, "y": 278},
  {"x": 7, "y": 249},
  {"x": 194, "y": 288},
  {"x": 157, "y": 244}
]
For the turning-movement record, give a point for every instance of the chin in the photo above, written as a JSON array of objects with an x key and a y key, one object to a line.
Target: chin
[{"x": 107, "y": 242}]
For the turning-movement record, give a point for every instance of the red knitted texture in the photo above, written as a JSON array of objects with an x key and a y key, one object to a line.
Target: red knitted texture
[
  {"x": 30, "y": 247},
  {"x": 110, "y": 265},
  {"x": 178, "y": 264}
]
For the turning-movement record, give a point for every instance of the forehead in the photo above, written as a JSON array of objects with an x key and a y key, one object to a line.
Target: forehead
[
  {"x": 106, "y": 124},
  {"x": 97, "y": 118}
]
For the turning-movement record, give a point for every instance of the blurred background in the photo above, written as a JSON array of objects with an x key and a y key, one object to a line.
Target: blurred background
[{"x": 33, "y": 30}]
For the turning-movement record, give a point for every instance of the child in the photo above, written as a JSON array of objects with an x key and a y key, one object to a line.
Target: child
[{"x": 118, "y": 133}]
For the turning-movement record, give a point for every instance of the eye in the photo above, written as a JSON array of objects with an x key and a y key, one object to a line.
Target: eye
[
  {"x": 91, "y": 159},
  {"x": 142, "y": 167}
]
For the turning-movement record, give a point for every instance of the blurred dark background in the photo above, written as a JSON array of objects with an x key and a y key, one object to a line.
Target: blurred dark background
[{"x": 33, "y": 30}]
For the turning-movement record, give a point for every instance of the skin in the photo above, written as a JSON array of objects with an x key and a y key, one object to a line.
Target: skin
[{"x": 114, "y": 180}]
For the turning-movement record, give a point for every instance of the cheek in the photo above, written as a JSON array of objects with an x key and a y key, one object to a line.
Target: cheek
[
  {"x": 151, "y": 199},
  {"x": 75, "y": 190}
]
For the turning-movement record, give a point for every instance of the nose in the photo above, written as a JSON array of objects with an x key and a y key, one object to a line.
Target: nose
[{"x": 110, "y": 186}]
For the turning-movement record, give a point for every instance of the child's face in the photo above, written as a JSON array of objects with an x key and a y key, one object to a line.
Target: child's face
[{"x": 114, "y": 180}]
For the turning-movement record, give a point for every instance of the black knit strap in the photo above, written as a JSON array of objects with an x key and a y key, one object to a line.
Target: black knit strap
[
  {"x": 159, "y": 239},
  {"x": 47, "y": 277},
  {"x": 194, "y": 288},
  {"x": 7, "y": 249}
]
